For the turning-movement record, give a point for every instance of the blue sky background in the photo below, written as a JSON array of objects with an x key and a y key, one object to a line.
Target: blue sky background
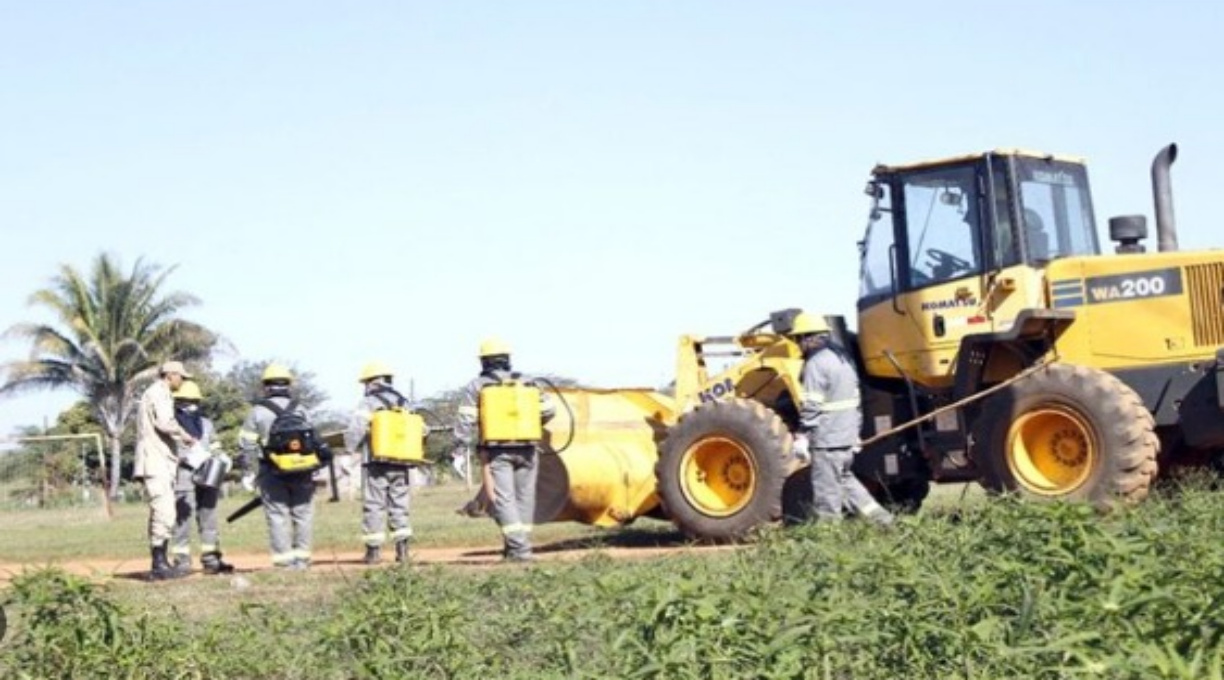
[{"x": 340, "y": 182}]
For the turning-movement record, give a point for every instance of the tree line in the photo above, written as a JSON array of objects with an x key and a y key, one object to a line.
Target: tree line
[{"x": 111, "y": 330}]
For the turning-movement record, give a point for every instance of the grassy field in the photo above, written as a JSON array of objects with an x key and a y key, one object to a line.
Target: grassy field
[
  {"x": 968, "y": 589},
  {"x": 37, "y": 536}
]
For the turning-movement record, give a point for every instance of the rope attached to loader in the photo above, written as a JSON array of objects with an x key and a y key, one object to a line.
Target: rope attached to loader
[{"x": 957, "y": 404}]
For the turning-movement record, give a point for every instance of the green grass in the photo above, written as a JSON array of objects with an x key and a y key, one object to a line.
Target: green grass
[
  {"x": 39, "y": 536},
  {"x": 34, "y": 536},
  {"x": 994, "y": 590},
  {"x": 967, "y": 589}
]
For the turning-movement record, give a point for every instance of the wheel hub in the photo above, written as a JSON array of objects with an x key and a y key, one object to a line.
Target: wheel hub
[
  {"x": 718, "y": 476},
  {"x": 1052, "y": 451},
  {"x": 1070, "y": 448}
]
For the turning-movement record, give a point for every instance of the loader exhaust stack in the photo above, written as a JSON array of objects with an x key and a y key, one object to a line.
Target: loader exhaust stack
[{"x": 1162, "y": 194}]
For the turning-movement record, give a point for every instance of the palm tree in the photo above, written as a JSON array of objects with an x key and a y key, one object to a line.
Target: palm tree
[{"x": 111, "y": 333}]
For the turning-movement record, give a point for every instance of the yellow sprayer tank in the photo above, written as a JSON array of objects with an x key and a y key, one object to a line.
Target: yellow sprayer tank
[
  {"x": 605, "y": 476},
  {"x": 510, "y": 412},
  {"x": 397, "y": 436}
]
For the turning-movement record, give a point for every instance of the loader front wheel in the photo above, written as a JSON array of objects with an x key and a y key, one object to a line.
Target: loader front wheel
[
  {"x": 721, "y": 469},
  {"x": 1067, "y": 433}
]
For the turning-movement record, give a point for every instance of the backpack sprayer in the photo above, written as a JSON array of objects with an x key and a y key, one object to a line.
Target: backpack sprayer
[{"x": 394, "y": 440}]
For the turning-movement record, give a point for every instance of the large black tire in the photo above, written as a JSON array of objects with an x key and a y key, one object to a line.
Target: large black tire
[
  {"x": 797, "y": 496},
  {"x": 721, "y": 469},
  {"x": 1067, "y": 433},
  {"x": 904, "y": 496}
]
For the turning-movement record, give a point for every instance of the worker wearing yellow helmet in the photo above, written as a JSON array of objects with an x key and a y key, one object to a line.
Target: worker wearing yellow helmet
[
  {"x": 196, "y": 490},
  {"x": 278, "y": 437},
  {"x": 386, "y": 460},
  {"x": 501, "y": 415},
  {"x": 830, "y": 418}
]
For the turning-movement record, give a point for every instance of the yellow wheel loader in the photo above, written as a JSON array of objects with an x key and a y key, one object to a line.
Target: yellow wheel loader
[
  {"x": 977, "y": 269},
  {"x": 996, "y": 343}
]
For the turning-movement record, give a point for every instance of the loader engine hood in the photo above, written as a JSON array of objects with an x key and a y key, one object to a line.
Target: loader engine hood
[{"x": 1148, "y": 308}]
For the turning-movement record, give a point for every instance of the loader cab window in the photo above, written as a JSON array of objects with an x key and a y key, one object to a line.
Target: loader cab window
[
  {"x": 875, "y": 250},
  {"x": 1055, "y": 210},
  {"x": 941, "y": 225}
]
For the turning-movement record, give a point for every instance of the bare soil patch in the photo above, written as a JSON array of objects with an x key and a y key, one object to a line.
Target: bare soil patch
[{"x": 488, "y": 556}]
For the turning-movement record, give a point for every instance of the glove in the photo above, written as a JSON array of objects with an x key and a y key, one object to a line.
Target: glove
[{"x": 799, "y": 449}]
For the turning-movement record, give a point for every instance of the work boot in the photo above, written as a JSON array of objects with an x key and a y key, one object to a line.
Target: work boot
[
  {"x": 401, "y": 551},
  {"x": 181, "y": 564},
  {"x": 882, "y": 518},
  {"x": 213, "y": 564},
  {"x": 161, "y": 569},
  {"x": 373, "y": 554}
]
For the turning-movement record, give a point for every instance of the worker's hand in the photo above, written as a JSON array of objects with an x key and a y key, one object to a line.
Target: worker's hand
[
  {"x": 799, "y": 449},
  {"x": 325, "y": 453}
]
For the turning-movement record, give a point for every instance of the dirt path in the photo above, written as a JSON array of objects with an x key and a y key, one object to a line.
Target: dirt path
[{"x": 137, "y": 567}]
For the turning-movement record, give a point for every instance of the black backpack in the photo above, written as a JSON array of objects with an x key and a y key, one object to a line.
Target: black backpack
[{"x": 292, "y": 445}]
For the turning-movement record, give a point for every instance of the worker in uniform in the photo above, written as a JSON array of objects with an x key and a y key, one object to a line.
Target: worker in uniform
[
  {"x": 386, "y": 497},
  {"x": 507, "y": 441},
  {"x": 194, "y": 495},
  {"x": 287, "y": 494},
  {"x": 830, "y": 419},
  {"x": 158, "y": 436}
]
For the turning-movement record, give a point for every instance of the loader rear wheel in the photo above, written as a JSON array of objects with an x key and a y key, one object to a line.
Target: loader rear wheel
[
  {"x": 721, "y": 469},
  {"x": 1067, "y": 433}
]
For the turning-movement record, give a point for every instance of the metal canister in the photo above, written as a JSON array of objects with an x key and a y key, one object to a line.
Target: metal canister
[{"x": 210, "y": 473}]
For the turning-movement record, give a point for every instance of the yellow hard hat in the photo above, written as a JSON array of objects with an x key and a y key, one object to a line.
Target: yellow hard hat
[
  {"x": 276, "y": 372},
  {"x": 188, "y": 390},
  {"x": 493, "y": 347},
  {"x": 374, "y": 369},
  {"x": 806, "y": 324}
]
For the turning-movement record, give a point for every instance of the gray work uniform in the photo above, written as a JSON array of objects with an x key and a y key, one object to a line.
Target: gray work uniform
[
  {"x": 192, "y": 499},
  {"x": 157, "y": 437},
  {"x": 386, "y": 496},
  {"x": 514, "y": 469},
  {"x": 830, "y": 414},
  {"x": 288, "y": 500}
]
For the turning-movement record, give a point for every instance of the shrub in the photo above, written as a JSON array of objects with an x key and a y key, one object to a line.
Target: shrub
[{"x": 1002, "y": 590}]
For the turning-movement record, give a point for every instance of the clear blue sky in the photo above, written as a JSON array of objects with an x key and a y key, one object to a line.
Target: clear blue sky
[{"x": 340, "y": 182}]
